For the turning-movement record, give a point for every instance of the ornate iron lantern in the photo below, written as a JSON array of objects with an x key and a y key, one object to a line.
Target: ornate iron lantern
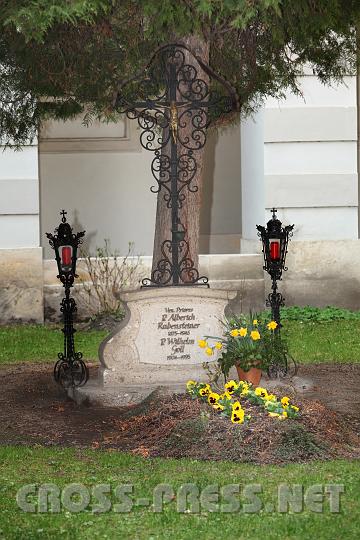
[
  {"x": 69, "y": 370},
  {"x": 275, "y": 240}
]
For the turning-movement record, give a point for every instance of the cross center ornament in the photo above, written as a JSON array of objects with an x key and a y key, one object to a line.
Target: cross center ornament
[{"x": 174, "y": 104}]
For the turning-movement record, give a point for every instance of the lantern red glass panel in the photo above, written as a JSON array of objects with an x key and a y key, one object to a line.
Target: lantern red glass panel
[
  {"x": 274, "y": 249},
  {"x": 66, "y": 258}
]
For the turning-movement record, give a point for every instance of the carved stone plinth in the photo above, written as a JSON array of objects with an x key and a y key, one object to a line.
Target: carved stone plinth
[{"x": 156, "y": 344}]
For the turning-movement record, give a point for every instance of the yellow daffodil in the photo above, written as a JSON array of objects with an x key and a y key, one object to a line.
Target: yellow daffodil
[
  {"x": 231, "y": 386},
  {"x": 285, "y": 401},
  {"x": 213, "y": 398},
  {"x": 218, "y": 345},
  {"x": 202, "y": 343},
  {"x": 272, "y": 325},
  {"x": 237, "y": 417},
  {"x": 190, "y": 385},
  {"x": 234, "y": 333},
  {"x": 255, "y": 335},
  {"x": 255, "y": 322},
  {"x": 243, "y": 332},
  {"x": 209, "y": 351}
]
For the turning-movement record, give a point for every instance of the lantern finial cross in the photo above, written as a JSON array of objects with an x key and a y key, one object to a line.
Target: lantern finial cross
[
  {"x": 273, "y": 210},
  {"x": 63, "y": 214}
]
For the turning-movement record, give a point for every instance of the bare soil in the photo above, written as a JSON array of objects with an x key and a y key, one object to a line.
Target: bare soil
[{"x": 34, "y": 410}]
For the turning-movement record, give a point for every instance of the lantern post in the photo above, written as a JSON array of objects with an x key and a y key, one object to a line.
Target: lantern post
[
  {"x": 69, "y": 370},
  {"x": 275, "y": 238}
]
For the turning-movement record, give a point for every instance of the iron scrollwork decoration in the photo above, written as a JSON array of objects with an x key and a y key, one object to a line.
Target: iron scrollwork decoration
[
  {"x": 275, "y": 239},
  {"x": 175, "y": 104},
  {"x": 70, "y": 370}
]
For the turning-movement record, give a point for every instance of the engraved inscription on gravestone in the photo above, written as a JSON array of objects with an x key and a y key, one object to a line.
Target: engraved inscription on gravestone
[
  {"x": 171, "y": 331},
  {"x": 176, "y": 326}
]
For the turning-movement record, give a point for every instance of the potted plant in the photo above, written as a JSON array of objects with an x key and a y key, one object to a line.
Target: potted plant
[{"x": 249, "y": 343}]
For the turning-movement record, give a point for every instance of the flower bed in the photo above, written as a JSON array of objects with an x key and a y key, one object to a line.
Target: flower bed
[{"x": 229, "y": 402}]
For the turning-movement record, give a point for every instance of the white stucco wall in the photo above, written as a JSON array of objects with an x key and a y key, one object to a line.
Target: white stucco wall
[
  {"x": 19, "y": 198},
  {"x": 105, "y": 192},
  {"x": 310, "y": 159},
  {"x": 102, "y": 176},
  {"x": 221, "y": 222}
]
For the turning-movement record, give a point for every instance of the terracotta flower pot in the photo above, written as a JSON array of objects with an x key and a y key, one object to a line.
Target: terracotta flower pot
[{"x": 253, "y": 375}]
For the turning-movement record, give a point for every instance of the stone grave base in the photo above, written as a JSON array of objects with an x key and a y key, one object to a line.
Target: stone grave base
[
  {"x": 156, "y": 346},
  {"x": 121, "y": 395}
]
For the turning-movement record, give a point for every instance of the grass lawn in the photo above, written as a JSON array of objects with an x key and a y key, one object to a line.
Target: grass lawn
[
  {"x": 315, "y": 342},
  {"x": 310, "y": 342},
  {"x": 21, "y": 466},
  {"x": 37, "y": 343}
]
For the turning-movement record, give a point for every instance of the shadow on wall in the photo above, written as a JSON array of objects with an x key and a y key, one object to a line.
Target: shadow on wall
[
  {"x": 78, "y": 226},
  {"x": 208, "y": 191}
]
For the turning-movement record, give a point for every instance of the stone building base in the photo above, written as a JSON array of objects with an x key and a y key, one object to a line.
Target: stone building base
[{"x": 21, "y": 286}]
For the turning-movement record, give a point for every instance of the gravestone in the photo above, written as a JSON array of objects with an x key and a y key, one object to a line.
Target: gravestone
[{"x": 156, "y": 345}]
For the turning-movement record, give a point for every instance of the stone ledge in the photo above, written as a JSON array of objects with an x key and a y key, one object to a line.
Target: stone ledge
[{"x": 95, "y": 393}]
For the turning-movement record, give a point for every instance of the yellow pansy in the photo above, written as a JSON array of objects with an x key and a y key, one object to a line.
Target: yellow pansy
[
  {"x": 190, "y": 384},
  {"x": 218, "y": 407},
  {"x": 271, "y": 397},
  {"x": 272, "y": 325},
  {"x": 295, "y": 407},
  {"x": 285, "y": 414},
  {"x": 234, "y": 333},
  {"x": 218, "y": 345},
  {"x": 236, "y": 406},
  {"x": 237, "y": 417},
  {"x": 202, "y": 343},
  {"x": 213, "y": 398},
  {"x": 243, "y": 332},
  {"x": 255, "y": 322},
  {"x": 274, "y": 414},
  {"x": 245, "y": 390},
  {"x": 209, "y": 351},
  {"x": 285, "y": 401},
  {"x": 231, "y": 386},
  {"x": 205, "y": 390},
  {"x": 255, "y": 335},
  {"x": 261, "y": 392},
  {"x": 225, "y": 395}
]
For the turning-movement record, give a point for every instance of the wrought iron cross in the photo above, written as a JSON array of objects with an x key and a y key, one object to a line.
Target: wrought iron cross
[{"x": 174, "y": 107}]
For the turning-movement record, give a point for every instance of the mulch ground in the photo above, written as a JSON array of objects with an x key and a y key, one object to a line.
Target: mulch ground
[{"x": 34, "y": 410}]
